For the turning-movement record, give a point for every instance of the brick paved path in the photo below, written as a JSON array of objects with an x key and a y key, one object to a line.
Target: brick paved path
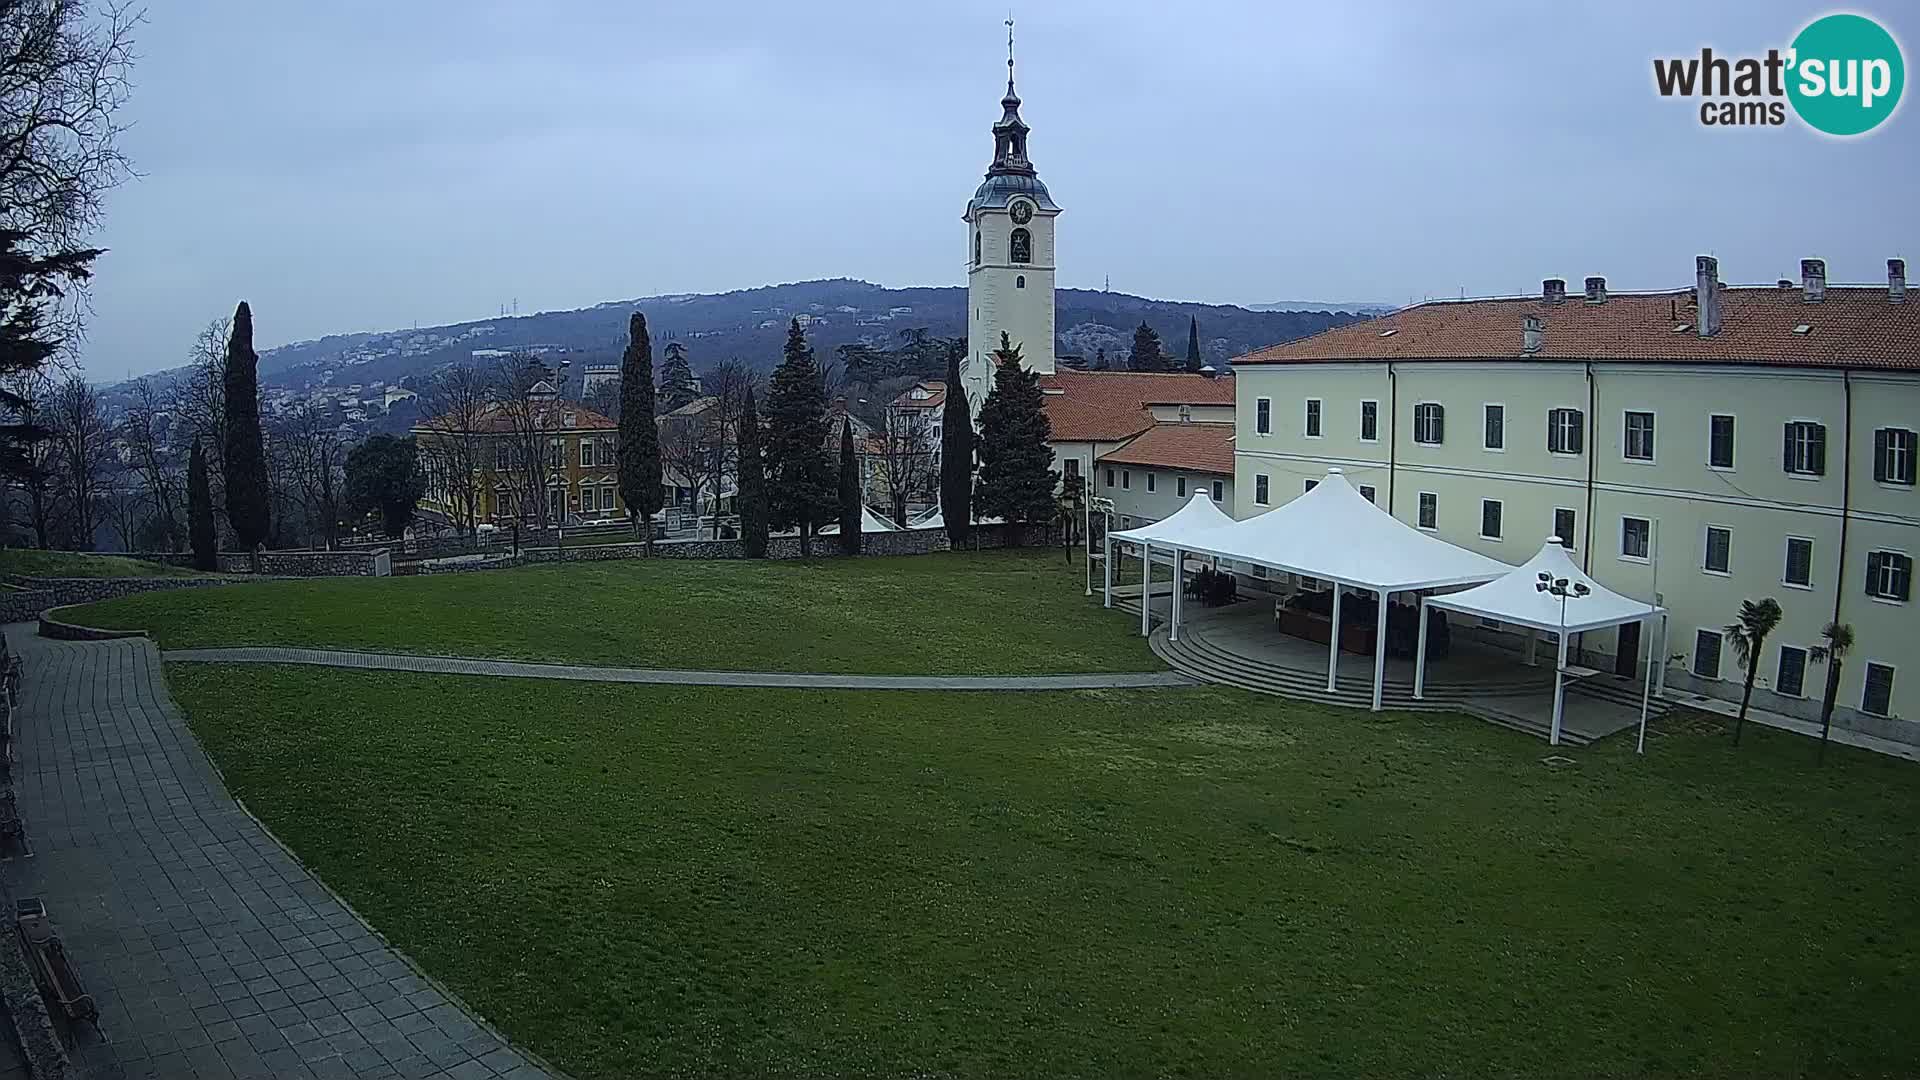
[
  {"x": 453, "y": 665},
  {"x": 211, "y": 952}
]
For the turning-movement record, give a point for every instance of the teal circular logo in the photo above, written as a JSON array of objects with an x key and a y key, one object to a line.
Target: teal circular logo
[{"x": 1846, "y": 74}]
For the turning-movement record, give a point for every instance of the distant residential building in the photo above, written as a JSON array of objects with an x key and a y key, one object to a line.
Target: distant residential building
[
  {"x": 1157, "y": 471},
  {"x": 582, "y": 475}
]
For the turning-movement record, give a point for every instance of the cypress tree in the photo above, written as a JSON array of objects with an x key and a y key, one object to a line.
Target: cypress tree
[
  {"x": 751, "y": 499},
  {"x": 1194, "y": 363},
  {"x": 246, "y": 459},
  {"x": 1017, "y": 480},
  {"x": 800, "y": 487},
  {"x": 850, "y": 501},
  {"x": 956, "y": 453},
  {"x": 200, "y": 511},
  {"x": 639, "y": 450},
  {"x": 1146, "y": 355},
  {"x": 676, "y": 378}
]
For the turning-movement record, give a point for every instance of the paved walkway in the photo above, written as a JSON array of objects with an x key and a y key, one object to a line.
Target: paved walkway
[
  {"x": 210, "y": 950},
  {"x": 454, "y": 665}
]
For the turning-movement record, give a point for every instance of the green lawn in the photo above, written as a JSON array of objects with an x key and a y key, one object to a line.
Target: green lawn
[
  {"x": 720, "y": 883},
  {"x": 37, "y": 563},
  {"x": 994, "y": 612}
]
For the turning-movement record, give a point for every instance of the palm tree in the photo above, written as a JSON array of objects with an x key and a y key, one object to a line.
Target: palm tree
[
  {"x": 1747, "y": 634},
  {"x": 1839, "y": 642}
]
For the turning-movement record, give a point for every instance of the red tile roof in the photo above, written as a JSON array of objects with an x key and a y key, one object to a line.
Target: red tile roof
[
  {"x": 1108, "y": 406},
  {"x": 1855, "y": 326},
  {"x": 1204, "y": 448},
  {"x": 936, "y": 398}
]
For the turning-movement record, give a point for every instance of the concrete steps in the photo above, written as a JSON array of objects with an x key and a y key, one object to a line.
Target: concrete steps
[{"x": 1193, "y": 657}]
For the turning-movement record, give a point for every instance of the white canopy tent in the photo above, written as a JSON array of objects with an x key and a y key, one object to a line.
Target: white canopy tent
[
  {"x": 1333, "y": 533},
  {"x": 1200, "y": 517},
  {"x": 1551, "y": 593},
  {"x": 870, "y": 522}
]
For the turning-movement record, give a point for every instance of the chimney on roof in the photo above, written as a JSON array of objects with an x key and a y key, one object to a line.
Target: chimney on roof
[
  {"x": 1896, "y": 280},
  {"x": 1596, "y": 290},
  {"x": 1813, "y": 280},
  {"x": 1554, "y": 290},
  {"x": 1532, "y": 333},
  {"x": 1706, "y": 295}
]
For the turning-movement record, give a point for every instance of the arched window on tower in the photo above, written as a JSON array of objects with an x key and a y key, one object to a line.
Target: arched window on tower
[
  {"x": 1022, "y": 246},
  {"x": 976, "y": 247},
  {"x": 1020, "y": 282}
]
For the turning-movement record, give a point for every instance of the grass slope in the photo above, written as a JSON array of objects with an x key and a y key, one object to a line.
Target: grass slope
[
  {"x": 979, "y": 613},
  {"x": 1181, "y": 882},
  {"x": 37, "y": 563}
]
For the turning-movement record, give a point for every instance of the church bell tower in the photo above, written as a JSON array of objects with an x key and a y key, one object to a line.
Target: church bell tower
[{"x": 1010, "y": 255}]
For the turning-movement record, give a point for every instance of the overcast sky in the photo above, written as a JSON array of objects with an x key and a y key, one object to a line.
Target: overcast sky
[{"x": 360, "y": 165}]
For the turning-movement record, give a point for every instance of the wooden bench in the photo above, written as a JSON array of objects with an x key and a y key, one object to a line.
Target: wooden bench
[{"x": 51, "y": 970}]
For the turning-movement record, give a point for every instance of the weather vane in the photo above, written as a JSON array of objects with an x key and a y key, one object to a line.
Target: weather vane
[{"x": 1009, "y": 46}]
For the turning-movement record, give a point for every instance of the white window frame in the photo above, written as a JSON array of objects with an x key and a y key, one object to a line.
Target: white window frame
[
  {"x": 1910, "y": 451},
  {"x": 1786, "y": 563},
  {"x": 1719, "y": 656},
  {"x": 1553, "y": 428},
  {"x": 1262, "y": 490},
  {"x": 1567, "y": 542},
  {"x": 1890, "y": 598},
  {"x": 1313, "y": 418},
  {"x": 1308, "y": 486},
  {"x": 1734, "y": 448},
  {"x": 1797, "y": 474},
  {"x": 1625, "y": 556},
  {"x": 1626, "y": 436},
  {"x": 1126, "y": 479},
  {"x": 1418, "y": 406},
  {"x": 1179, "y": 487},
  {"x": 1484, "y": 503},
  {"x": 1263, "y": 416},
  {"x": 1502, "y": 406},
  {"x": 1706, "y": 549},
  {"x": 1866, "y": 670},
  {"x": 1150, "y": 482},
  {"x": 1779, "y": 662},
  {"x": 1364, "y": 437},
  {"x": 1370, "y": 493},
  {"x": 1420, "y": 507},
  {"x": 586, "y": 453},
  {"x": 1219, "y": 492}
]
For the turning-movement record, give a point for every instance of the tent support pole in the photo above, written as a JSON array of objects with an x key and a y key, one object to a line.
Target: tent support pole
[
  {"x": 1559, "y": 691},
  {"x": 1660, "y": 673},
  {"x": 1146, "y": 588},
  {"x": 1420, "y": 657},
  {"x": 1533, "y": 651},
  {"x": 1106, "y": 570},
  {"x": 1333, "y": 643},
  {"x": 1179, "y": 586},
  {"x": 1646, "y": 691},
  {"x": 1380, "y": 650}
]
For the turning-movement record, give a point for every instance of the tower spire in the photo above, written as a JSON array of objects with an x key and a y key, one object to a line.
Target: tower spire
[
  {"x": 1010, "y": 92},
  {"x": 1010, "y": 134}
]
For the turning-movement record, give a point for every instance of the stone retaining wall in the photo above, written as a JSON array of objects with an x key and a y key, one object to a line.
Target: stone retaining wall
[
  {"x": 363, "y": 563},
  {"x": 34, "y": 595},
  {"x": 904, "y": 542}
]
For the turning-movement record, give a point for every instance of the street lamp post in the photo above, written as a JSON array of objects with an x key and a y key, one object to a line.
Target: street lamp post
[
  {"x": 1104, "y": 507},
  {"x": 1563, "y": 589}
]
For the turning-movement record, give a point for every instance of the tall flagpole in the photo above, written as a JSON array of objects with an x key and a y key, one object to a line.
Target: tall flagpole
[
  {"x": 1653, "y": 603},
  {"x": 1086, "y": 504}
]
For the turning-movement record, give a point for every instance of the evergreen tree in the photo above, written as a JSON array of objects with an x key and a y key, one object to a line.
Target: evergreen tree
[
  {"x": 639, "y": 450},
  {"x": 1147, "y": 355},
  {"x": 1194, "y": 363},
  {"x": 800, "y": 487},
  {"x": 751, "y": 498},
  {"x": 676, "y": 378},
  {"x": 1016, "y": 475},
  {"x": 850, "y": 501},
  {"x": 384, "y": 474},
  {"x": 246, "y": 458},
  {"x": 200, "y": 511},
  {"x": 956, "y": 453}
]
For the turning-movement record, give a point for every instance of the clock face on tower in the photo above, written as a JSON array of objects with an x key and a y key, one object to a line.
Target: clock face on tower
[{"x": 1022, "y": 212}]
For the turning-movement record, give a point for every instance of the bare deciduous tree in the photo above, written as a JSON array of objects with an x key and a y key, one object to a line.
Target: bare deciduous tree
[
  {"x": 533, "y": 420},
  {"x": 81, "y": 453},
  {"x": 156, "y": 462},
  {"x": 455, "y": 405},
  {"x": 308, "y": 458},
  {"x": 908, "y": 463}
]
